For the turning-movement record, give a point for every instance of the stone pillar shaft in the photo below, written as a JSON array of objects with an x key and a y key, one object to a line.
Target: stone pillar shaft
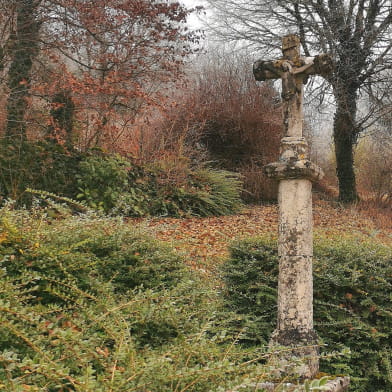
[{"x": 295, "y": 298}]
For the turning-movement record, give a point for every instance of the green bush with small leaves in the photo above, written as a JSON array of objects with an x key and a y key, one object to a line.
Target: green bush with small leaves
[
  {"x": 101, "y": 180},
  {"x": 106, "y": 343},
  {"x": 89, "y": 305},
  {"x": 81, "y": 250},
  {"x": 352, "y": 303}
]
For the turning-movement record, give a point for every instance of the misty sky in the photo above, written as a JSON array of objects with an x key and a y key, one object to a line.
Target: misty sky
[
  {"x": 193, "y": 19},
  {"x": 191, "y": 3}
]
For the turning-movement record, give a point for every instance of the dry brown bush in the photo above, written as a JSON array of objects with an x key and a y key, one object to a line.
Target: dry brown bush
[
  {"x": 225, "y": 119},
  {"x": 380, "y": 212},
  {"x": 374, "y": 169}
]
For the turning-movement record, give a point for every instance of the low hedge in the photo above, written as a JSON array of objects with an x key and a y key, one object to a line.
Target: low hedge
[
  {"x": 81, "y": 250},
  {"x": 352, "y": 303},
  {"x": 89, "y": 304}
]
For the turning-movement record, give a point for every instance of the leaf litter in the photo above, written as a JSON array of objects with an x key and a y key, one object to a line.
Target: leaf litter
[{"x": 204, "y": 242}]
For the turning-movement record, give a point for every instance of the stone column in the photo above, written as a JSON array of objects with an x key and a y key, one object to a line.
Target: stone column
[
  {"x": 295, "y": 172},
  {"x": 294, "y": 329}
]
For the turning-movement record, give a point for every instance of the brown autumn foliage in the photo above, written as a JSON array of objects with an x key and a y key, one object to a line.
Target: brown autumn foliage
[
  {"x": 110, "y": 59},
  {"x": 374, "y": 164},
  {"x": 223, "y": 118}
]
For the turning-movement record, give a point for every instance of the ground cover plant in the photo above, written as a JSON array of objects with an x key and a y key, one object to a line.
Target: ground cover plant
[
  {"x": 352, "y": 286},
  {"x": 89, "y": 304}
]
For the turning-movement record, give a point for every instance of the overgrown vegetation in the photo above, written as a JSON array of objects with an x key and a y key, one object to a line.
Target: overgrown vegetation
[
  {"x": 115, "y": 185},
  {"x": 118, "y": 186},
  {"x": 88, "y": 304},
  {"x": 352, "y": 286},
  {"x": 40, "y": 165}
]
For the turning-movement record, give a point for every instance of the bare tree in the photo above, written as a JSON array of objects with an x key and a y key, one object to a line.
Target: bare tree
[{"x": 357, "y": 33}]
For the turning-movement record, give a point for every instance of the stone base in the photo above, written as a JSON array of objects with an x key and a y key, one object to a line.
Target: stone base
[
  {"x": 338, "y": 384},
  {"x": 299, "y": 359}
]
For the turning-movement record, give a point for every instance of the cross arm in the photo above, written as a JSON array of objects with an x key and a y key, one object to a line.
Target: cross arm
[
  {"x": 265, "y": 70},
  {"x": 274, "y": 69},
  {"x": 321, "y": 64}
]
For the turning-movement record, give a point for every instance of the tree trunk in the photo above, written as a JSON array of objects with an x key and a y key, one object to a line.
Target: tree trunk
[
  {"x": 62, "y": 114},
  {"x": 345, "y": 137},
  {"x": 24, "y": 50}
]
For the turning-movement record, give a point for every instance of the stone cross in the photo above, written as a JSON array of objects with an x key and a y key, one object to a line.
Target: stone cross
[{"x": 295, "y": 173}]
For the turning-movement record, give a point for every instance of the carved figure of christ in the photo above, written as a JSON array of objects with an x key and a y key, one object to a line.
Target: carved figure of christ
[
  {"x": 295, "y": 173},
  {"x": 294, "y": 71}
]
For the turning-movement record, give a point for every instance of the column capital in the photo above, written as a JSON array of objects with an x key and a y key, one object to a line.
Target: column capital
[
  {"x": 300, "y": 169},
  {"x": 294, "y": 162}
]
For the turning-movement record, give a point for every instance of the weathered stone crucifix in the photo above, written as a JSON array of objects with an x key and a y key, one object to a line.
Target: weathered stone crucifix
[{"x": 295, "y": 173}]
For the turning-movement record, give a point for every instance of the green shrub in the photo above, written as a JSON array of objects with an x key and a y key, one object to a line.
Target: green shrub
[
  {"x": 120, "y": 187},
  {"x": 113, "y": 184},
  {"x": 100, "y": 344},
  {"x": 80, "y": 250},
  {"x": 219, "y": 192},
  {"x": 67, "y": 324},
  {"x": 102, "y": 180},
  {"x": 37, "y": 165},
  {"x": 251, "y": 276},
  {"x": 204, "y": 192},
  {"x": 352, "y": 302},
  {"x": 103, "y": 343}
]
